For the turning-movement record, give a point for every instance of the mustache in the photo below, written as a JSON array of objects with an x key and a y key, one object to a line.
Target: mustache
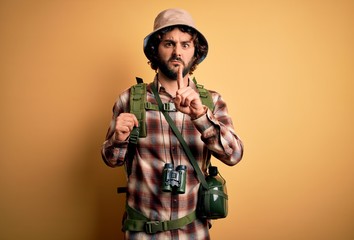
[{"x": 176, "y": 59}]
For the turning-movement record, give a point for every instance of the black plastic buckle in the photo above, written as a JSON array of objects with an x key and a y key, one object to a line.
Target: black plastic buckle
[
  {"x": 169, "y": 107},
  {"x": 153, "y": 227},
  {"x": 134, "y": 135}
]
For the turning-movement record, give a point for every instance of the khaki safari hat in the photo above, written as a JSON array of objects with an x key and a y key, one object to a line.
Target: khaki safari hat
[{"x": 172, "y": 17}]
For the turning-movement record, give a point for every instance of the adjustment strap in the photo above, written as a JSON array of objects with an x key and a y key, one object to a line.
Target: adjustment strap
[
  {"x": 129, "y": 156},
  {"x": 137, "y": 222}
]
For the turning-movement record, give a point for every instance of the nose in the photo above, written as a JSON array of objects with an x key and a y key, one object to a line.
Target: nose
[{"x": 177, "y": 50}]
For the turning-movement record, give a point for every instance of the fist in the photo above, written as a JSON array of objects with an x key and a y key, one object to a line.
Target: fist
[{"x": 125, "y": 123}]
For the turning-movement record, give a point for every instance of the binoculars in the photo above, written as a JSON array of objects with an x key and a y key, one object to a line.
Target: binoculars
[{"x": 174, "y": 180}]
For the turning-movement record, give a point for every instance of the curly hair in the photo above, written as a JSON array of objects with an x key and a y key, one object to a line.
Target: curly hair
[{"x": 201, "y": 48}]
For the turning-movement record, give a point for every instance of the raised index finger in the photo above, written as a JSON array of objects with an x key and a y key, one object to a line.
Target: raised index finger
[{"x": 180, "y": 77}]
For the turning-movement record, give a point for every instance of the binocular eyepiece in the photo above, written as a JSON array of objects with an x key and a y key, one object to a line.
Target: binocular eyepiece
[{"x": 174, "y": 180}]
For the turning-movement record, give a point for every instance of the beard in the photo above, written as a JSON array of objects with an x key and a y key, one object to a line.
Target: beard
[{"x": 172, "y": 72}]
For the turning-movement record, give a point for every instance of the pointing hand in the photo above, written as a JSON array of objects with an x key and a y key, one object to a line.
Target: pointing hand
[{"x": 187, "y": 99}]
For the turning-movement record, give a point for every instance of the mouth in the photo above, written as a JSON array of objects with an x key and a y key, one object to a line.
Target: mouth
[{"x": 176, "y": 62}]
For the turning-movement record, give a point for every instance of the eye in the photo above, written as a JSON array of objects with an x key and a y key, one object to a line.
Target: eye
[{"x": 168, "y": 44}]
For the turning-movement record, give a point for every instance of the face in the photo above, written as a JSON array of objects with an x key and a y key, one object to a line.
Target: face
[{"x": 176, "y": 48}]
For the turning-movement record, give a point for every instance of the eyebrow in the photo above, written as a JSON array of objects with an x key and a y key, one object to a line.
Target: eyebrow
[{"x": 173, "y": 41}]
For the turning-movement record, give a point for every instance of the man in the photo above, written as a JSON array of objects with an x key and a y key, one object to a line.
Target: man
[{"x": 174, "y": 49}]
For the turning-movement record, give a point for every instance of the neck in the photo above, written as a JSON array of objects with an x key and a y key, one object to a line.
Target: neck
[{"x": 170, "y": 85}]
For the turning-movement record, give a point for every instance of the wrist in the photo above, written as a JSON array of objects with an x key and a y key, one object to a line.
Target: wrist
[
  {"x": 200, "y": 113},
  {"x": 120, "y": 137}
]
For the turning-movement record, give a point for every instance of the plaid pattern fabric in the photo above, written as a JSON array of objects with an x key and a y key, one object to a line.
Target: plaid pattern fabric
[{"x": 212, "y": 134}]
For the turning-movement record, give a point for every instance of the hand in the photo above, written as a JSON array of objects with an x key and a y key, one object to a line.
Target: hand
[
  {"x": 124, "y": 125},
  {"x": 187, "y": 100}
]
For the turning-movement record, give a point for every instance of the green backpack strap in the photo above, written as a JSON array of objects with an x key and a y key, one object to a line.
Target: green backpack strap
[
  {"x": 137, "y": 104},
  {"x": 137, "y": 100},
  {"x": 204, "y": 95}
]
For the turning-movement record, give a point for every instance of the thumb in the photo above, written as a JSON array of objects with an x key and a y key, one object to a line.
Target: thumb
[{"x": 135, "y": 120}]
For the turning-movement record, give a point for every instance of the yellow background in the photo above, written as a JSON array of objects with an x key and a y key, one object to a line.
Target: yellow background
[{"x": 286, "y": 69}]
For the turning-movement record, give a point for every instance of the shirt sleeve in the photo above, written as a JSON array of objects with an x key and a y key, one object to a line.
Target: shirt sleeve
[
  {"x": 113, "y": 151},
  {"x": 218, "y": 133}
]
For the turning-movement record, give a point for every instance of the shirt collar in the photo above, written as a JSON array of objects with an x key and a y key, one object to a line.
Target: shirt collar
[{"x": 161, "y": 88}]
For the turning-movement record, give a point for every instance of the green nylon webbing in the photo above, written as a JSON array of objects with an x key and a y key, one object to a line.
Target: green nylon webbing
[
  {"x": 205, "y": 96},
  {"x": 138, "y": 222},
  {"x": 137, "y": 106}
]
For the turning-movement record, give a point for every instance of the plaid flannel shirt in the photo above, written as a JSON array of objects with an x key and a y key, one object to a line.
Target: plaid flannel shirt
[{"x": 210, "y": 135}]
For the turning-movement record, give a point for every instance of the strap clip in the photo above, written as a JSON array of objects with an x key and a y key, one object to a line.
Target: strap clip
[
  {"x": 134, "y": 136},
  {"x": 152, "y": 227},
  {"x": 169, "y": 107}
]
